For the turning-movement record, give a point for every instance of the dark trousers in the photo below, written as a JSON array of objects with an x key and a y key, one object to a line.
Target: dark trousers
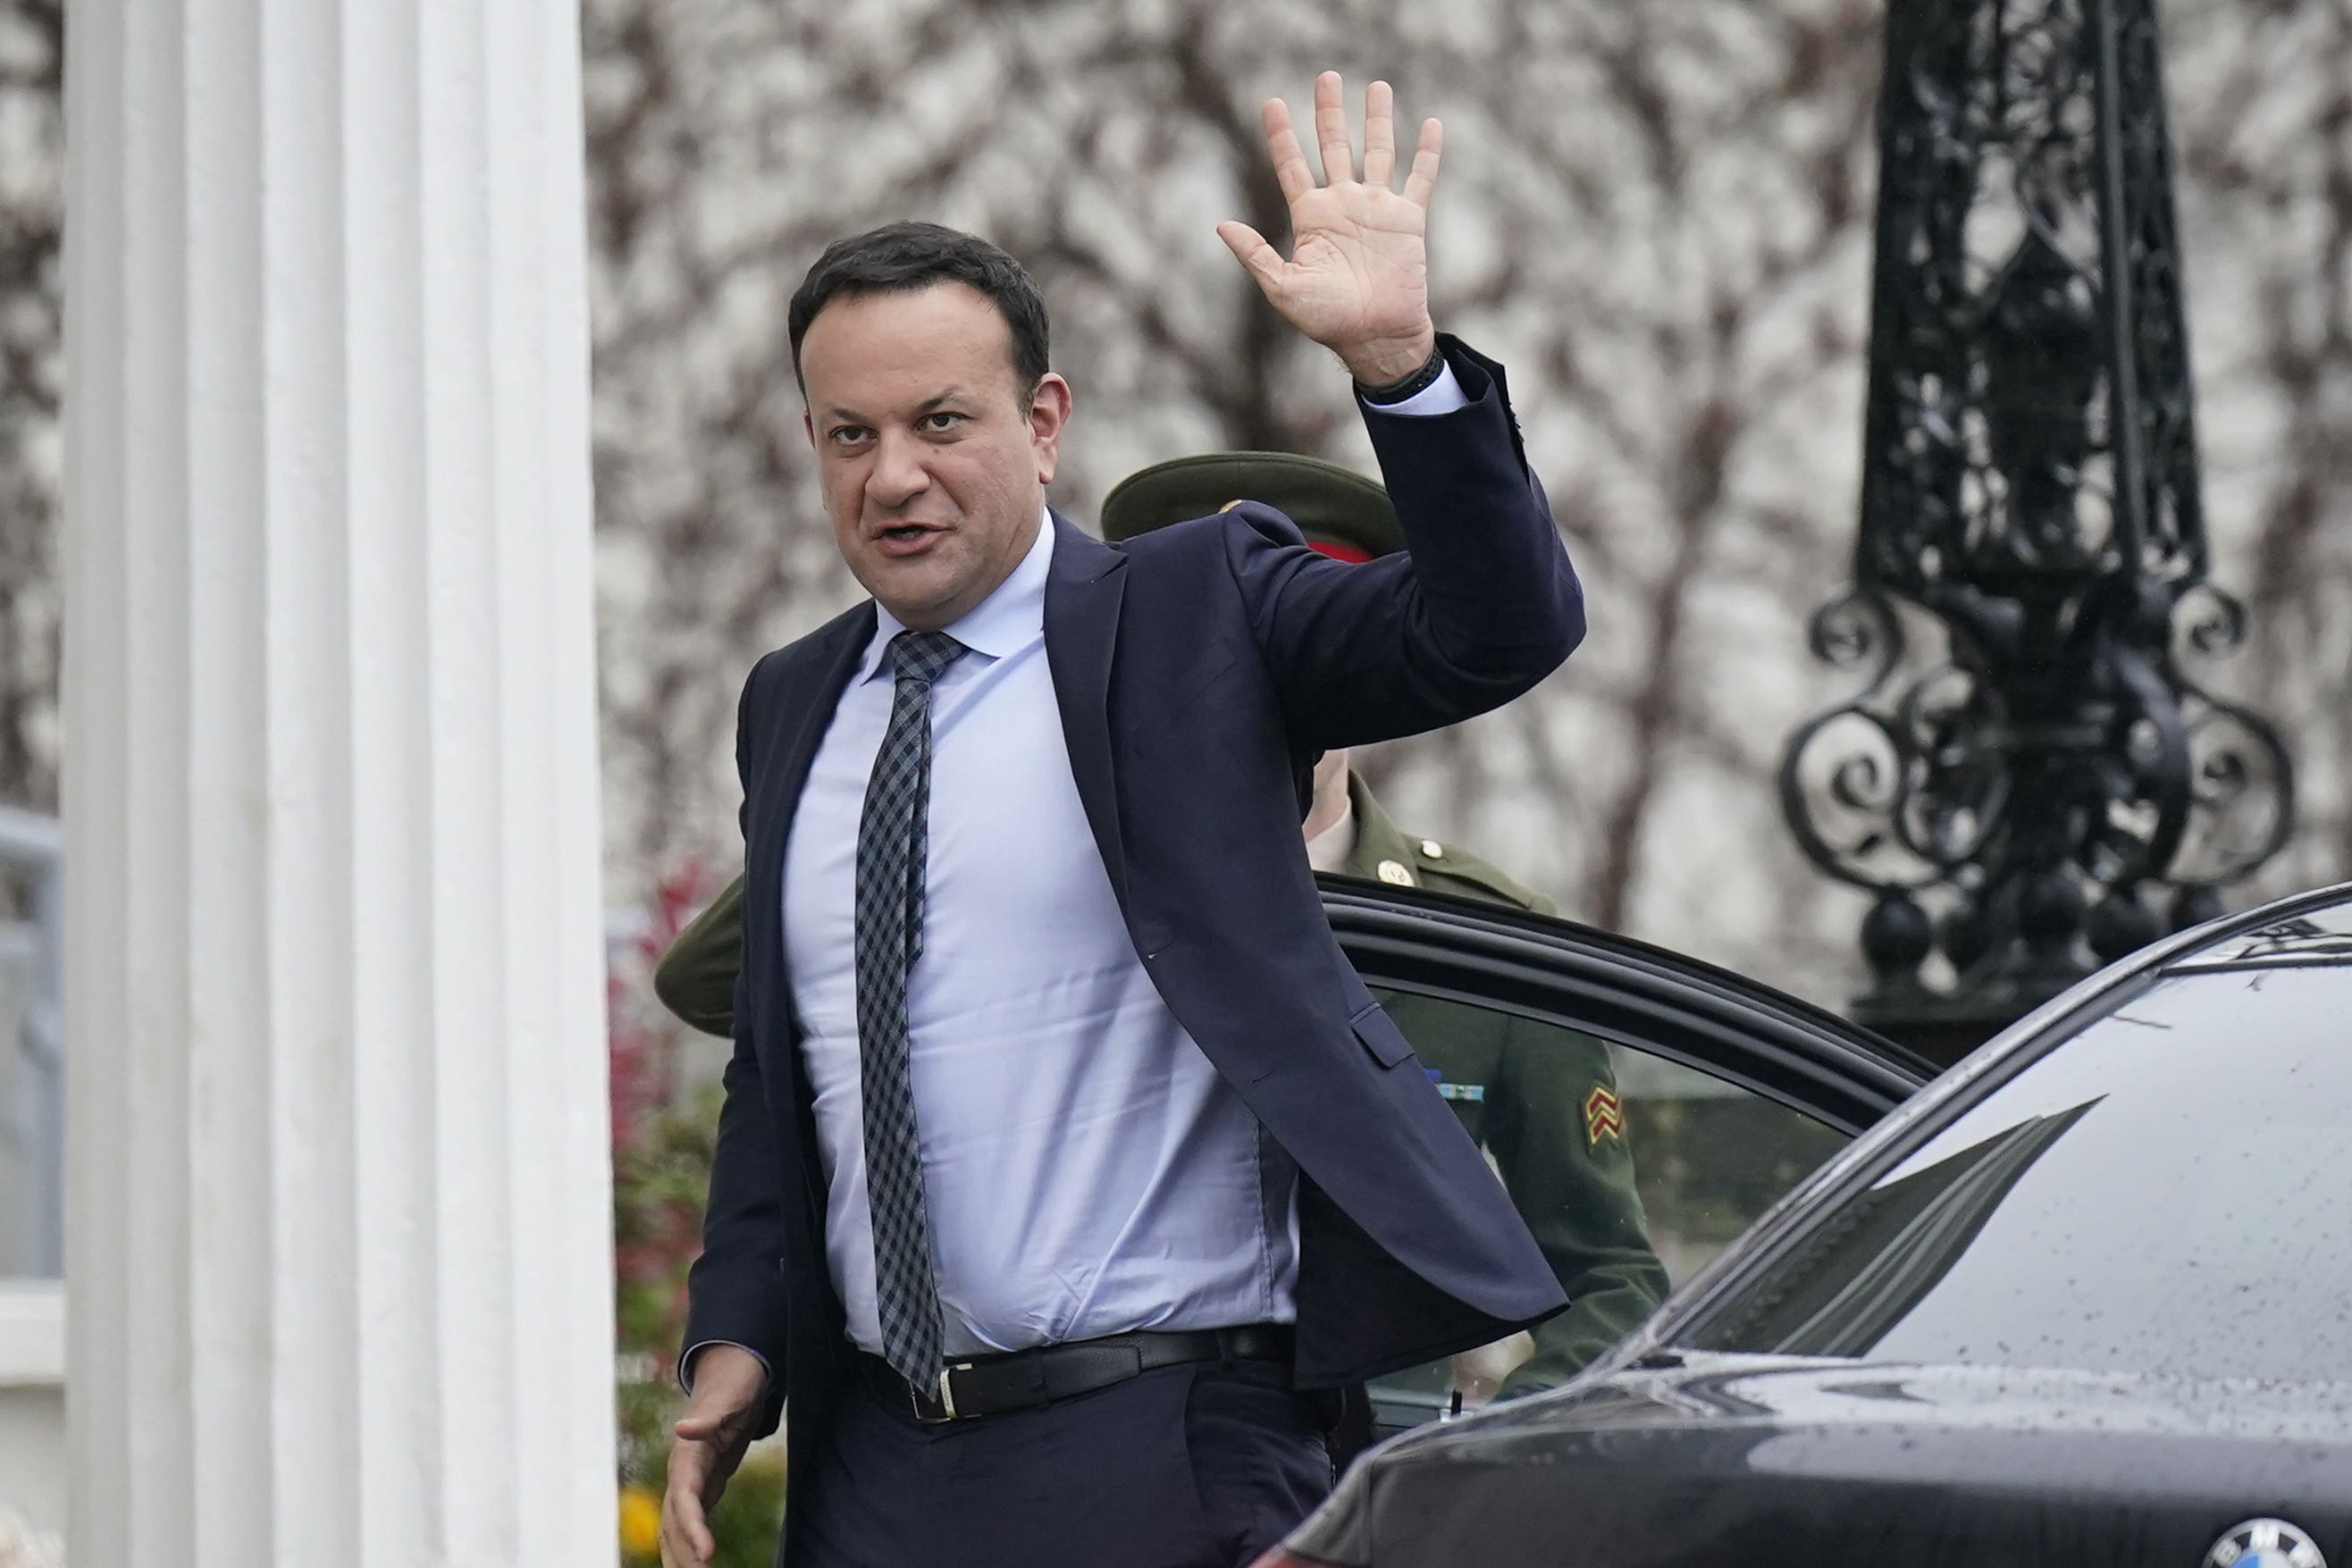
[{"x": 1187, "y": 1466}]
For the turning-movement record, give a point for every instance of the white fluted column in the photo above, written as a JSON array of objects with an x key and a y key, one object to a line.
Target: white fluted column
[{"x": 337, "y": 1236}]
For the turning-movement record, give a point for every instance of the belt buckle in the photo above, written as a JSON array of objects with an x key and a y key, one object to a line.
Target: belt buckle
[{"x": 935, "y": 1410}]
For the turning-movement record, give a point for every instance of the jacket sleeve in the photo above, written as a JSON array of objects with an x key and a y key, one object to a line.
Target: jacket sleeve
[
  {"x": 1482, "y": 606},
  {"x": 696, "y": 978},
  {"x": 735, "y": 1291}
]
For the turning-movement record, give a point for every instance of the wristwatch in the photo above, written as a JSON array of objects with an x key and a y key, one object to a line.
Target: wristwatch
[{"x": 1398, "y": 390}]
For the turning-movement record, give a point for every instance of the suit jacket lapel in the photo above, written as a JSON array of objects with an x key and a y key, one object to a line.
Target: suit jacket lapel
[
  {"x": 800, "y": 709},
  {"x": 1083, "y": 594}
]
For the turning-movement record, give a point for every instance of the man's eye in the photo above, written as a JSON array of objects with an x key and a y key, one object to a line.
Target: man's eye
[
  {"x": 848, "y": 434},
  {"x": 942, "y": 419}
]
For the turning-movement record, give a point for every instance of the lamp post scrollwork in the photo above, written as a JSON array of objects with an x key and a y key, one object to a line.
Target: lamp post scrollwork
[{"x": 2031, "y": 779}]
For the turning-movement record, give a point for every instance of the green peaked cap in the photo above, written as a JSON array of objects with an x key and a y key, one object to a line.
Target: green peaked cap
[{"x": 1331, "y": 505}]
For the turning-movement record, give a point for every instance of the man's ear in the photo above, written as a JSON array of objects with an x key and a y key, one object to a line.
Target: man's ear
[
  {"x": 1049, "y": 415},
  {"x": 808, "y": 427}
]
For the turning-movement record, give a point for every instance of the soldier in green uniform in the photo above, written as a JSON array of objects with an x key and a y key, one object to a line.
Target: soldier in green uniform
[{"x": 1542, "y": 1101}]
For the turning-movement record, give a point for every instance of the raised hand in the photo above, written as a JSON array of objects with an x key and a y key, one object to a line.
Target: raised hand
[{"x": 1357, "y": 279}]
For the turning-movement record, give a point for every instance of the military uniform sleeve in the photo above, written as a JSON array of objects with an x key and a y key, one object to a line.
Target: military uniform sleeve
[
  {"x": 696, "y": 978},
  {"x": 1556, "y": 1128}
]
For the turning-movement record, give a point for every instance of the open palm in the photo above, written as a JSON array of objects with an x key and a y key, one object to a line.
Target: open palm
[{"x": 1357, "y": 279}]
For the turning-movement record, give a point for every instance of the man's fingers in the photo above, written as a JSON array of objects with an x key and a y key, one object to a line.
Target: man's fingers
[
  {"x": 1331, "y": 129},
  {"x": 1250, "y": 248},
  {"x": 710, "y": 1444},
  {"x": 689, "y": 1463},
  {"x": 1421, "y": 181},
  {"x": 1290, "y": 169},
  {"x": 691, "y": 1474},
  {"x": 686, "y": 1539},
  {"x": 687, "y": 1498},
  {"x": 704, "y": 1459},
  {"x": 1379, "y": 135}
]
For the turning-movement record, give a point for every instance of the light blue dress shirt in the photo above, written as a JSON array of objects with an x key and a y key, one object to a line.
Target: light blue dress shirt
[{"x": 1088, "y": 1171}]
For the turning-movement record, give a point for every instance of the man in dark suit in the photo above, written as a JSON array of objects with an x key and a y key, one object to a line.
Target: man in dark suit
[
  {"x": 1530, "y": 1096},
  {"x": 1062, "y": 1164}
]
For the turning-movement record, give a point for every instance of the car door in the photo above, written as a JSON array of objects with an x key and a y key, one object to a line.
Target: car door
[{"x": 1642, "y": 1107}]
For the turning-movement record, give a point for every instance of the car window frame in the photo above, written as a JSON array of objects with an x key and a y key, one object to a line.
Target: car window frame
[
  {"x": 1724, "y": 1027},
  {"x": 1630, "y": 994}
]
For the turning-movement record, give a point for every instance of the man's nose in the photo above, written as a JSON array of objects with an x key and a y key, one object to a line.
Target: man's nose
[{"x": 899, "y": 474}]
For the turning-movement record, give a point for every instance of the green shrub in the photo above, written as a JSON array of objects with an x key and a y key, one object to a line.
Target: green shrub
[{"x": 662, "y": 1138}]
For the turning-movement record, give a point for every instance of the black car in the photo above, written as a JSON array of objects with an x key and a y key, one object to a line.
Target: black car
[{"x": 2086, "y": 1299}]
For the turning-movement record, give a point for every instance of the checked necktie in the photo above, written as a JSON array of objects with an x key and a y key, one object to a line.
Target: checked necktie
[{"x": 890, "y": 862}]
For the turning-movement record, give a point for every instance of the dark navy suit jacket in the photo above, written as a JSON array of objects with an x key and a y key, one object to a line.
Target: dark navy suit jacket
[{"x": 1201, "y": 670}]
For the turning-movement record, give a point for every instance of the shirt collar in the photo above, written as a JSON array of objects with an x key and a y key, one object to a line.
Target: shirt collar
[
  {"x": 997, "y": 625},
  {"x": 1331, "y": 849}
]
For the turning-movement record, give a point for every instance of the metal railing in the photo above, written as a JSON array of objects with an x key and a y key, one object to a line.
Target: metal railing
[{"x": 32, "y": 1062}]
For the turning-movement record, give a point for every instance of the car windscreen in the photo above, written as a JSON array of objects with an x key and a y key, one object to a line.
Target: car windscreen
[{"x": 2165, "y": 1192}]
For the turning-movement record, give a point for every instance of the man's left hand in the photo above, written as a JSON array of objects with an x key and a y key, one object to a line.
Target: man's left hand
[{"x": 1358, "y": 279}]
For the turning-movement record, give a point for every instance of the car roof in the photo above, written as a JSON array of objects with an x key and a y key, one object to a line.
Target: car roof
[
  {"x": 2315, "y": 927},
  {"x": 2311, "y": 926}
]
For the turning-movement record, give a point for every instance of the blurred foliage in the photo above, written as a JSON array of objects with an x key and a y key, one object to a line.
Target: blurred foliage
[{"x": 664, "y": 1124}]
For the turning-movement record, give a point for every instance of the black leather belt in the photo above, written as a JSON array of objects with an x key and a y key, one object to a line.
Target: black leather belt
[{"x": 1028, "y": 1379}]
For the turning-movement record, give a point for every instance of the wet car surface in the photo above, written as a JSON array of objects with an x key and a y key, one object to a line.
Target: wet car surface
[{"x": 2087, "y": 1300}]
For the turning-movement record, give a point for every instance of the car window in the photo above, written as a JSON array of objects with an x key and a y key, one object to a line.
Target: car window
[
  {"x": 1632, "y": 1171},
  {"x": 2160, "y": 1194}
]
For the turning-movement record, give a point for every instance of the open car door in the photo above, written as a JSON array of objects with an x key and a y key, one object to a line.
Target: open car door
[{"x": 1637, "y": 1104}]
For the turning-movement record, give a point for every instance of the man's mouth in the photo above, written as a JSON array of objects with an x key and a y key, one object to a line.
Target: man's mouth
[{"x": 907, "y": 538}]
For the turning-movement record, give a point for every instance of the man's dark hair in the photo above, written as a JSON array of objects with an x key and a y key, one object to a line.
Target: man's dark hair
[{"x": 906, "y": 257}]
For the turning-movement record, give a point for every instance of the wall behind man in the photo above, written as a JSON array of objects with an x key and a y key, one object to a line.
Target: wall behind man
[{"x": 1657, "y": 215}]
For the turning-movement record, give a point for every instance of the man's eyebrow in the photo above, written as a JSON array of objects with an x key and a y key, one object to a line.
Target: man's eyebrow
[{"x": 929, "y": 405}]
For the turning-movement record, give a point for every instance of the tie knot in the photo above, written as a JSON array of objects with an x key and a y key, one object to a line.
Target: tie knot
[{"x": 920, "y": 656}]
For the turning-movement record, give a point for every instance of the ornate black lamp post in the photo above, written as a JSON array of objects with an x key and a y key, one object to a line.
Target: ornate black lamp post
[{"x": 2029, "y": 780}]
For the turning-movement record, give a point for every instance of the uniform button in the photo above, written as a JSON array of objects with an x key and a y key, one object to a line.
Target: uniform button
[
  {"x": 1393, "y": 871},
  {"x": 1432, "y": 849}
]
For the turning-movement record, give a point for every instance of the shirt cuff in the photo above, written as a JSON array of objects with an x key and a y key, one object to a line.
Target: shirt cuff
[
  {"x": 1443, "y": 395},
  {"x": 686, "y": 1362}
]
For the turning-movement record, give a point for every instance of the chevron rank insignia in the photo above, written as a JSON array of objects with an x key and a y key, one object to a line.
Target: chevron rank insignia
[{"x": 1604, "y": 1116}]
